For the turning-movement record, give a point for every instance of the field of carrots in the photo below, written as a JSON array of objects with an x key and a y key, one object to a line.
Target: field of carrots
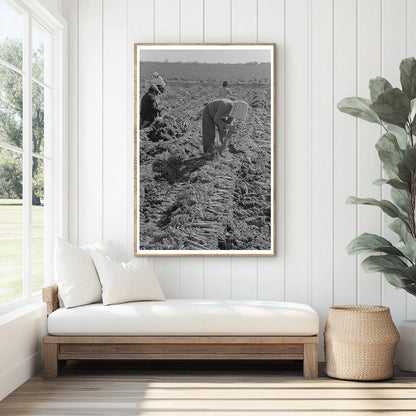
[{"x": 189, "y": 201}]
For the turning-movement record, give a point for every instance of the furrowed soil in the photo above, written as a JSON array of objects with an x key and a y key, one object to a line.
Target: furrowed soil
[{"x": 189, "y": 201}]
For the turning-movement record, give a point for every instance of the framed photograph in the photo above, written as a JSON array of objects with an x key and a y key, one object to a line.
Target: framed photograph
[{"x": 204, "y": 149}]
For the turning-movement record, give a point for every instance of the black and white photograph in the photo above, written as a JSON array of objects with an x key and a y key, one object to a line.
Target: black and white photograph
[{"x": 205, "y": 149}]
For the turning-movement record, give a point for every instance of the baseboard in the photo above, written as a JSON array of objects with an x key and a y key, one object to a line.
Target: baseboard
[{"x": 11, "y": 379}]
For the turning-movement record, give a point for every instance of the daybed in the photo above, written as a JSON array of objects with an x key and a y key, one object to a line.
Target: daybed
[{"x": 181, "y": 329}]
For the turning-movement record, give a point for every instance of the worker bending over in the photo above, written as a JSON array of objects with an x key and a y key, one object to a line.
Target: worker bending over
[
  {"x": 149, "y": 107},
  {"x": 221, "y": 114}
]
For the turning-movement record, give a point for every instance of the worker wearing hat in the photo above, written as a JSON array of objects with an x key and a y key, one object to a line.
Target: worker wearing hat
[
  {"x": 149, "y": 107},
  {"x": 159, "y": 82},
  {"x": 220, "y": 114}
]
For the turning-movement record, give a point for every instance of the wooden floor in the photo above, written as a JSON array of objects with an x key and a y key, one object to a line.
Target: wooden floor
[{"x": 226, "y": 389}]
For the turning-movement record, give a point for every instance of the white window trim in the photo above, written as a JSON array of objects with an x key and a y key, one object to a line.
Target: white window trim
[{"x": 59, "y": 146}]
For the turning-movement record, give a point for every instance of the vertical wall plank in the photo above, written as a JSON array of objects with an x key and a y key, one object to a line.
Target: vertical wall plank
[
  {"x": 192, "y": 31},
  {"x": 244, "y": 21},
  {"x": 393, "y": 51},
  {"x": 244, "y": 278},
  {"x": 411, "y": 51},
  {"x": 192, "y": 21},
  {"x": 217, "y": 28},
  {"x": 345, "y": 151},
  {"x": 90, "y": 60},
  {"x": 244, "y": 29},
  {"x": 271, "y": 29},
  {"x": 321, "y": 166},
  {"x": 411, "y": 28},
  {"x": 296, "y": 152},
  {"x": 217, "y": 21},
  {"x": 140, "y": 21},
  {"x": 168, "y": 273},
  {"x": 217, "y": 278},
  {"x": 369, "y": 168},
  {"x": 114, "y": 124},
  {"x": 70, "y": 12},
  {"x": 167, "y": 13},
  {"x": 167, "y": 29},
  {"x": 192, "y": 278},
  {"x": 144, "y": 33}
]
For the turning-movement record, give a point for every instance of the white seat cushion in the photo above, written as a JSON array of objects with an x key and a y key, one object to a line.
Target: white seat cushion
[{"x": 187, "y": 317}]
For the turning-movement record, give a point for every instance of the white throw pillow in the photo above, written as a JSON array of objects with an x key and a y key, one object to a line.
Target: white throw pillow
[
  {"x": 126, "y": 282},
  {"x": 103, "y": 247},
  {"x": 75, "y": 273}
]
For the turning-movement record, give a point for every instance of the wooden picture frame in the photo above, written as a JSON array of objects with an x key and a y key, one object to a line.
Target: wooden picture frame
[{"x": 195, "y": 196}]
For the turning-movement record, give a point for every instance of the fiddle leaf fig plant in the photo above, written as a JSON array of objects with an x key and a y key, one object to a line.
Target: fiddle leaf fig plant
[{"x": 394, "y": 109}]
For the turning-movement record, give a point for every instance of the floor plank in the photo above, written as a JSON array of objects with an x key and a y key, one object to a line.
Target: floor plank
[{"x": 226, "y": 389}]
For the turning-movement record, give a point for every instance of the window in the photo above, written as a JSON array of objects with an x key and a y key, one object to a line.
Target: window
[{"x": 31, "y": 141}]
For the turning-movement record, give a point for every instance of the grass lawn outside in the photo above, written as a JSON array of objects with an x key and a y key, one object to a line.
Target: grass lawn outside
[{"x": 11, "y": 249}]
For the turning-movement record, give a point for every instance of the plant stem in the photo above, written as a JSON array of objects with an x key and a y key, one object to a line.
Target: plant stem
[{"x": 412, "y": 196}]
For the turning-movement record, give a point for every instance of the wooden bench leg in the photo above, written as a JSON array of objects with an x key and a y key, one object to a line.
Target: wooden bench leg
[
  {"x": 50, "y": 360},
  {"x": 310, "y": 360}
]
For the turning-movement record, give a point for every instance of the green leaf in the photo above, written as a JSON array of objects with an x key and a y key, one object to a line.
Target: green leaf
[
  {"x": 388, "y": 207},
  {"x": 408, "y": 249},
  {"x": 400, "y": 198},
  {"x": 395, "y": 270},
  {"x": 410, "y": 272},
  {"x": 378, "y": 86},
  {"x": 390, "y": 173},
  {"x": 404, "y": 173},
  {"x": 412, "y": 109},
  {"x": 411, "y": 289},
  {"x": 412, "y": 116},
  {"x": 380, "y": 182},
  {"x": 398, "y": 184},
  {"x": 392, "y": 107},
  {"x": 414, "y": 126},
  {"x": 400, "y": 228},
  {"x": 408, "y": 77},
  {"x": 401, "y": 139},
  {"x": 395, "y": 183},
  {"x": 366, "y": 243},
  {"x": 410, "y": 158},
  {"x": 397, "y": 280},
  {"x": 381, "y": 263},
  {"x": 389, "y": 151},
  {"x": 359, "y": 107}
]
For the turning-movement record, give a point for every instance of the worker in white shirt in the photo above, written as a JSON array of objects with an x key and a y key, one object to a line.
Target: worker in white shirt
[
  {"x": 159, "y": 82},
  {"x": 225, "y": 92}
]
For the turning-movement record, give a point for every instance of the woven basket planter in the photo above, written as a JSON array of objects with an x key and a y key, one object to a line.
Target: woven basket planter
[{"x": 360, "y": 342}]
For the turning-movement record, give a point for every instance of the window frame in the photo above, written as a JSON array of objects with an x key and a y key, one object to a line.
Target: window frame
[{"x": 58, "y": 215}]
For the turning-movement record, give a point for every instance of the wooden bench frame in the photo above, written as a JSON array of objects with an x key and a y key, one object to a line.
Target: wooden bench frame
[{"x": 58, "y": 349}]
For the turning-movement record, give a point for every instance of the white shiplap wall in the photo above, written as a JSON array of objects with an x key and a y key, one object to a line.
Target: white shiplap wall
[{"x": 326, "y": 50}]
